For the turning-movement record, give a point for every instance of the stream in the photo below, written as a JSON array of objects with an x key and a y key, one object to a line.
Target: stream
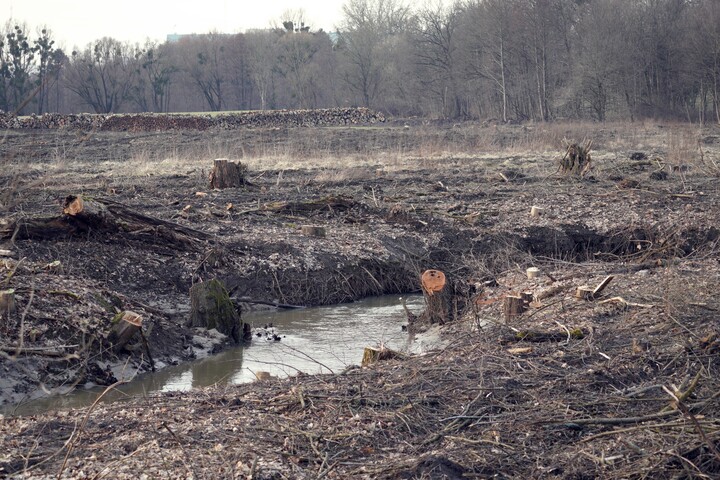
[{"x": 311, "y": 340}]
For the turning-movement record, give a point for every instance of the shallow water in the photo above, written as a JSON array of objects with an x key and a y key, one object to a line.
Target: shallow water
[{"x": 313, "y": 340}]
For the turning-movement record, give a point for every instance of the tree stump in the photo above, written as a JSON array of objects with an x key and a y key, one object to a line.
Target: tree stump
[
  {"x": 513, "y": 306},
  {"x": 527, "y": 297},
  {"x": 372, "y": 355},
  {"x": 438, "y": 301},
  {"x": 577, "y": 158},
  {"x": 88, "y": 211},
  {"x": 584, "y": 292},
  {"x": 227, "y": 174},
  {"x": 211, "y": 307},
  {"x": 125, "y": 325},
  {"x": 7, "y": 303}
]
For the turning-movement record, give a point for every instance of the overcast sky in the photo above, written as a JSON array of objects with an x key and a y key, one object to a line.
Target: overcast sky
[{"x": 77, "y": 22}]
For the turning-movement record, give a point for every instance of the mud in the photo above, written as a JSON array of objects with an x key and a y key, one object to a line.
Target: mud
[{"x": 394, "y": 201}]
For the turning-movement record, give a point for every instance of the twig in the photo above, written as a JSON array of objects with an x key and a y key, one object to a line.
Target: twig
[{"x": 84, "y": 423}]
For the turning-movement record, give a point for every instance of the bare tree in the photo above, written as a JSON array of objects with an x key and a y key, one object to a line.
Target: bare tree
[
  {"x": 239, "y": 77},
  {"x": 48, "y": 68},
  {"x": 16, "y": 67},
  {"x": 367, "y": 28},
  {"x": 154, "y": 75},
  {"x": 102, "y": 74},
  {"x": 204, "y": 58},
  {"x": 299, "y": 56},
  {"x": 491, "y": 46},
  {"x": 437, "y": 54},
  {"x": 262, "y": 58}
]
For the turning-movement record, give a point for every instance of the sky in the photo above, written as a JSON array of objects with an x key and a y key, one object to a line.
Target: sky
[{"x": 78, "y": 22}]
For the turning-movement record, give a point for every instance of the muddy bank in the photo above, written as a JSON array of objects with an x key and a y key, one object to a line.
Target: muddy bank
[
  {"x": 387, "y": 220},
  {"x": 387, "y": 216},
  {"x": 567, "y": 406}
]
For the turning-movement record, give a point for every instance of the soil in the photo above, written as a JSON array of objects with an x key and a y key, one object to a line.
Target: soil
[{"x": 621, "y": 386}]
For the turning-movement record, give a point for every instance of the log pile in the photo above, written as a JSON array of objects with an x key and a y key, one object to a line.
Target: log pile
[{"x": 144, "y": 122}]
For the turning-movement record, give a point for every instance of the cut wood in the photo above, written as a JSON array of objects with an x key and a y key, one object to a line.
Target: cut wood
[
  {"x": 211, "y": 307},
  {"x": 227, "y": 174},
  {"x": 372, "y": 355},
  {"x": 81, "y": 215},
  {"x": 262, "y": 376},
  {"x": 513, "y": 306},
  {"x": 535, "y": 211},
  {"x": 433, "y": 281},
  {"x": 125, "y": 325},
  {"x": 313, "y": 231},
  {"x": 519, "y": 350},
  {"x": 532, "y": 272},
  {"x": 438, "y": 298},
  {"x": 584, "y": 292},
  {"x": 89, "y": 211},
  {"x": 601, "y": 286},
  {"x": 527, "y": 297},
  {"x": 625, "y": 303},
  {"x": 7, "y": 303}
]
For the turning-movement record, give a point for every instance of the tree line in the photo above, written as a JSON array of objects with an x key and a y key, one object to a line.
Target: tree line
[{"x": 506, "y": 60}]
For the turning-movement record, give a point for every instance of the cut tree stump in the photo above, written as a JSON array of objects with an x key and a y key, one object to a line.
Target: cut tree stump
[
  {"x": 87, "y": 210},
  {"x": 445, "y": 300},
  {"x": 513, "y": 306},
  {"x": 372, "y": 355},
  {"x": 211, "y": 307},
  {"x": 584, "y": 292},
  {"x": 527, "y": 297},
  {"x": 125, "y": 325},
  {"x": 438, "y": 298},
  {"x": 227, "y": 174},
  {"x": 7, "y": 303}
]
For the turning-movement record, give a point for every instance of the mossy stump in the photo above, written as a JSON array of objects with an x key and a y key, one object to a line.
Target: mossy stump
[{"x": 211, "y": 307}]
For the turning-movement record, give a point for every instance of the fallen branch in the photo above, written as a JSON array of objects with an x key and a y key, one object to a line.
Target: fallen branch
[
  {"x": 266, "y": 302},
  {"x": 625, "y": 303},
  {"x": 538, "y": 337}
]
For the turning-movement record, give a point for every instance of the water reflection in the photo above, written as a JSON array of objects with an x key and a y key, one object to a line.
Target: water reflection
[{"x": 313, "y": 340}]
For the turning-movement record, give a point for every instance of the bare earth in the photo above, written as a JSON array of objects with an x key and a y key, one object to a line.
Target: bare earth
[{"x": 623, "y": 386}]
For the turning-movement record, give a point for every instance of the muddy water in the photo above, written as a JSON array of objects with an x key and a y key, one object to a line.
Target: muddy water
[{"x": 313, "y": 340}]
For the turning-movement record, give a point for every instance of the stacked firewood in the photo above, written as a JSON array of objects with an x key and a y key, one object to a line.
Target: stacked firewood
[{"x": 158, "y": 122}]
